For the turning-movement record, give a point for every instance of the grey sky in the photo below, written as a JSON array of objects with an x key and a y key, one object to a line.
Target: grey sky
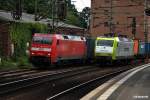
[{"x": 80, "y": 4}]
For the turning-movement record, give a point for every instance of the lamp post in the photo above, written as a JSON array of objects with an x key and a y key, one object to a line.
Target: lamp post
[
  {"x": 145, "y": 26},
  {"x": 17, "y": 13},
  {"x": 36, "y": 4},
  {"x": 145, "y": 22},
  {"x": 133, "y": 26}
]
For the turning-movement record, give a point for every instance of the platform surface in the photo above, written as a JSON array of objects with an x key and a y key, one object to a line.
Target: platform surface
[
  {"x": 135, "y": 88},
  {"x": 134, "y": 85}
]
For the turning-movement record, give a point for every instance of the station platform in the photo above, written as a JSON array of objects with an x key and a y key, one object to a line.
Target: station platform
[{"x": 131, "y": 85}]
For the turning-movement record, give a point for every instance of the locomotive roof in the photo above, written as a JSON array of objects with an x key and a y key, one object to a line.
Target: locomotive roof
[
  {"x": 116, "y": 38},
  {"x": 42, "y": 34},
  {"x": 62, "y": 36}
]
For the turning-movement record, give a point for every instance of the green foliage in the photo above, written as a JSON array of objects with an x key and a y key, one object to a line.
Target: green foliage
[
  {"x": 8, "y": 64},
  {"x": 83, "y": 23},
  {"x": 72, "y": 18},
  {"x": 7, "y": 4},
  {"x": 44, "y": 9},
  {"x": 38, "y": 28},
  {"x": 22, "y": 63},
  {"x": 84, "y": 17},
  {"x": 21, "y": 33},
  {"x": 29, "y": 6}
]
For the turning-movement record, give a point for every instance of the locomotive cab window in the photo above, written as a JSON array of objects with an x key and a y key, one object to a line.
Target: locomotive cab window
[
  {"x": 82, "y": 38},
  {"x": 108, "y": 43},
  {"x": 42, "y": 40},
  {"x": 66, "y": 37}
]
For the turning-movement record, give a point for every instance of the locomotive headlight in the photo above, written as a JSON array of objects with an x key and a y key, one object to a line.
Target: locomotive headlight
[
  {"x": 32, "y": 53},
  {"x": 47, "y": 49}
]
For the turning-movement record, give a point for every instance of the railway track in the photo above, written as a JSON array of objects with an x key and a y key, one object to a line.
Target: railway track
[
  {"x": 4, "y": 72},
  {"x": 18, "y": 75},
  {"x": 57, "y": 83},
  {"x": 27, "y": 74},
  {"x": 75, "y": 90},
  {"x": 38, "y": 78},
  {"x": 10, "y": 76}
]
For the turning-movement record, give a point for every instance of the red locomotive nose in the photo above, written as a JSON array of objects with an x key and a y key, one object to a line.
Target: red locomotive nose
[
  {"x": 40, "y": 50},
  {"x": 41, "y": 47}
]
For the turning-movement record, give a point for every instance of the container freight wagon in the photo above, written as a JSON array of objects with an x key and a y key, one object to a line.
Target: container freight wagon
[
  {"x": 141, "y": 50},
  {"x": 90, "y": 42},
  {"x": 136, "y": 47},
  {"x": 147, "y": 49},
  {"x": 55, "y": 48},
  {"x": 113, "y": 48}
]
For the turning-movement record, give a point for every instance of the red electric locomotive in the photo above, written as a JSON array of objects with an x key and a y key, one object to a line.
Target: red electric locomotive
[{"x": 54, "y": 48}]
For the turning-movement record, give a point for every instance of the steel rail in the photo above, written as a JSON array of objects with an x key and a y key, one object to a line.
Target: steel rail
[
  {"x": 35, "y": 80},
  {"x": 13, "y": 71},
  {"x": 85, "y": 84}
]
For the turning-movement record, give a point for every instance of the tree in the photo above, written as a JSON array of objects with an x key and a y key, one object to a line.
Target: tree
[
  {"x": 62, "y": 9},
  {"x": 44, "y": 9},
  {"x": 85, "y": 16},
  {"x": 41, "y": 8},
  {"x": 7, "y": 5},
  {"x": 72, "y": 18},
  {"x": 68, "y": 3}
]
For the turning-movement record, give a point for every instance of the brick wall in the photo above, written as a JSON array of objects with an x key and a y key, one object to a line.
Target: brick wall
[
  {"x": 123, "y": 12},
  {"x": 72, "y": 31},
  {"x": 5, "y": 44}
]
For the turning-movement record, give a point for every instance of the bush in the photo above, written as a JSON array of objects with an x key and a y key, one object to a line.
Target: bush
[
  {"x": 8, "y": 64},
  {"x": 23, "y": 62},
  {"x": 20, "y": 34},
  {"x": 20, "y": 63}
]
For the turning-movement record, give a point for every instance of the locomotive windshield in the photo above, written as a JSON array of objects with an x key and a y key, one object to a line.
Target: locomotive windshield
[
  {"x": 42, "y": 40},
  {"x": 108, "y": 43}
]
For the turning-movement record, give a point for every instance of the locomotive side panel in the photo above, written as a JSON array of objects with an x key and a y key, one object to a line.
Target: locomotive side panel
[
  {"x": 136, "y": 47},
  {"x": 124, "y": 50},
  {"x": 71, "y": 49}
]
